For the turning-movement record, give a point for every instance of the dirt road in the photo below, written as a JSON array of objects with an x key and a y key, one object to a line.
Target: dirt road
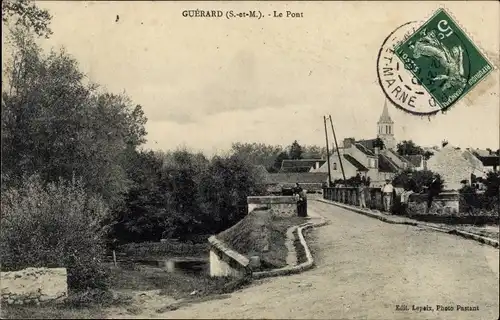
[{"x": 365, "y": 268}]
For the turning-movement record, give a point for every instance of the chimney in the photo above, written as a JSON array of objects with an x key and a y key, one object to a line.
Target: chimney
[
  {"x": 377, "y": 151},
  {"x": 348, "y": 142}
]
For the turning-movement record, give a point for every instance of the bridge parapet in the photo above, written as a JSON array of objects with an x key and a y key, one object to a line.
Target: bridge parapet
[{"x": 283, "y": 206}]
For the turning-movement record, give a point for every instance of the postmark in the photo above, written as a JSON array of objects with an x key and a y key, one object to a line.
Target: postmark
[
  {"x": 443, "y": 59},
  {"x": 399, "y": 85}
]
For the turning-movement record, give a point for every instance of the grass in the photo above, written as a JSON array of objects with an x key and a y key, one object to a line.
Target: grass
[
  {"x": 50, "y": 312},
  {"x": 174, "y": 284},
  {"x": 129, "y": 277},
  {"x": 162, "y": 249},
  {"x": 261, "y": 234},
  {"x": 125, "y": 279},
  {"x": 299, "y": 248},
  {"x": 88, "y": 305}
]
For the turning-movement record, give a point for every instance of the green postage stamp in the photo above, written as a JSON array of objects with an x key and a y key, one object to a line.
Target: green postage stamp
[{"x": 443, "y": 59}]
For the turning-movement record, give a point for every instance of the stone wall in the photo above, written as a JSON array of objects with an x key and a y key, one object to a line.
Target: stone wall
[
  {"x": 34, "y": 285},
  {"x": 446, "y": 202},
  {"x": 225, "y": 262},
  {"x": 281, "y": 206}
]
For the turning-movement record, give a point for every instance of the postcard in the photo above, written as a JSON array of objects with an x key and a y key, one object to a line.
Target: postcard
[{"x": 250, "y": 159}]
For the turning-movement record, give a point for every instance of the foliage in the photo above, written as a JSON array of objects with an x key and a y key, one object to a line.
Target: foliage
[
  {"x": 24, "y": 13},
  {"x": 422, "y": 179},
  {"x": 352, "y": 181},
  {"x": 379, "y": 143},
  {"x": 57, "y": 126},
  {"x": 271, "y": 156},
  {"x": 181, "y": 194},
  {"x": 223, "y": 191},
  {"x": 408, "y": 148},
  {"x": 56, "y": 225},
  {"x": 313, "y": 152},
  {"x": 278, "y": 161},
  {"x": 428, "y": 154},
  {"x": 473, "y": 201},
  {"x": 296, "y": 151},
  {"x": 492, "y": 183},
  {"x": 257, "y": 153}
]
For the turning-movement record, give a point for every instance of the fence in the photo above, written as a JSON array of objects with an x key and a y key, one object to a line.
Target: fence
[
  {"x": 445, "y": 207},
  {"x": 350, "y": 195}
]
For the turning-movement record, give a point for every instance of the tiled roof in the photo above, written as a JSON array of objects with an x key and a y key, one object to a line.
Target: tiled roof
[
  {"x": 368, "y": 144},
  {"x": 293, "y": 177},
  {"x": 415, "y": 160},
  {"x": 364, "y": 149},
  {"x": 302, "y": 163},
  {"x": 490, "y": 161},
  {"x": 355, "y": 163},
  {"x": 480, "y": 152},
  {"x": 400, "y": 157},
  {"x": 295, "y": 169},
  {"x": 385, "y": 165}
]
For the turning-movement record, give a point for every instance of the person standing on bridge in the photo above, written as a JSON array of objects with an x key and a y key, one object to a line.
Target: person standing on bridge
[
  {"x": 387, "y": 193},
  {"x": 303, "y": 203},
  {"x": 433, "y": 190},
  {"x": 410, "y": 187},
  {"x": 362, "y": 193}
]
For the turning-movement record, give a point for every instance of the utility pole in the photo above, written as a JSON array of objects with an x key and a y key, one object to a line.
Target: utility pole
[
  {"x": 337, "y": 147},
  {"x": 327, "y": 155}
]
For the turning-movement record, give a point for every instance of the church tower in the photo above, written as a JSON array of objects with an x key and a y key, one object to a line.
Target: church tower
[{"x": 386, "y": 128}]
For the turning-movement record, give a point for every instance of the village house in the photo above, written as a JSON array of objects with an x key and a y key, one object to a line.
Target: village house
[
  {"x": 489, "y": 159},
  {"x": 276, "y": 182},
  {"x": 368, "y": 158},
  {"x": 455, "y": 165},
  {"x": 301, "y": 165},
  {"x": 379, "y": 162}
]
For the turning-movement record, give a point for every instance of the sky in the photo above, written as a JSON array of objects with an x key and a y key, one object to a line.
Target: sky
[{"x": 206, "y": 82}]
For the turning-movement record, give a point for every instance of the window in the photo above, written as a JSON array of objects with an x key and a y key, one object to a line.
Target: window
[
  {"x": 335, "y": 166},
  {"x": 389, "y": 129}
]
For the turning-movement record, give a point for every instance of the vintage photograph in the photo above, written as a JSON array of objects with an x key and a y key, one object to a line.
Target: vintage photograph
[{"x": 250, "y": 159}]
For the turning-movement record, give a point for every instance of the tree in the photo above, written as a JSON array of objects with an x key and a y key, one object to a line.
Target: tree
[
  {"x": 278, "y": 161},
  {"x": 422, "y": 179},
  {"x": 24, "y": 13},
  {"x": 56, "y": 126},
  {"x": 257, "y": 153},
  {"x": 314, "y": 152},
  {"x": 223, "y": 192},
  {"x": 379, "y": 143},
  {"x": 408, "y": 148},
  {"x": 54, "y": 225},
  {"x": 295, "y": 151},
  {"x": 428, "y": 154}
]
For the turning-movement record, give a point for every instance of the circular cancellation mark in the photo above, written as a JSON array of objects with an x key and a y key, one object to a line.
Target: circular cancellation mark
[
  {"x": 400, "y": 86},
  {"x": 405, "y": 90}
]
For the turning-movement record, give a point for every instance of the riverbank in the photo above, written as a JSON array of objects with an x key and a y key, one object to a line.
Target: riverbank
[
  {"x": 261, "y": 234},
  {"x": 138, "y": 282}
]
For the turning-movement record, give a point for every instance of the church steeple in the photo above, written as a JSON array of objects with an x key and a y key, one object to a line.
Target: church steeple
[
  {"x": 386, "y": 128},
  {"x": 385, "y": 117}
]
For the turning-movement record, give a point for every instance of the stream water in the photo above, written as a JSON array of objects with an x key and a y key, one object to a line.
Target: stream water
[{"x": 187, "y": 266}]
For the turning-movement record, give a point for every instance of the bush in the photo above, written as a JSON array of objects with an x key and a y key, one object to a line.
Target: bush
[
  {"x": 422, "y": 179},
  {"x": 53, "y": 225}
]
